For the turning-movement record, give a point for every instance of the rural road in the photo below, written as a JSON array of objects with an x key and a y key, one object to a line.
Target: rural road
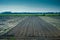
[{"x": 34, "y": 28}]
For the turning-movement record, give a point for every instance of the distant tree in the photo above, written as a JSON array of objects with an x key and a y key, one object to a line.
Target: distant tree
[{"x": 6, "y": 12}]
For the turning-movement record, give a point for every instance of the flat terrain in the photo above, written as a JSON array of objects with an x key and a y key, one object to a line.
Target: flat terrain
[{"x": 34, "y": 28}]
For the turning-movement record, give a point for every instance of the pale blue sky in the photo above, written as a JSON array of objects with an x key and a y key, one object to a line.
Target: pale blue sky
[{"x": 30, "y": 5}]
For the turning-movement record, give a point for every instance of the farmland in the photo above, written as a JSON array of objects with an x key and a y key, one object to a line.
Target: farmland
[{"x": 30, "y": 27}]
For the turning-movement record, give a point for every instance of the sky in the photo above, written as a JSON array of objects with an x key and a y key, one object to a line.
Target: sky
[{"x": 30, "y": 5}]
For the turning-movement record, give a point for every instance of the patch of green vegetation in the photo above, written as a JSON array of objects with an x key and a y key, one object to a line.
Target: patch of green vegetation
[
  {"x": 29, "y": 14},
  {"x": 12, "y": 38},
  {"x": 5, "y": 29},
  {"x": 52, "y": 14}
]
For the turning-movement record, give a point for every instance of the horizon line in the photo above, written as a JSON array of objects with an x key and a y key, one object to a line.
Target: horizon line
[{"x": 27, "y": 12}]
